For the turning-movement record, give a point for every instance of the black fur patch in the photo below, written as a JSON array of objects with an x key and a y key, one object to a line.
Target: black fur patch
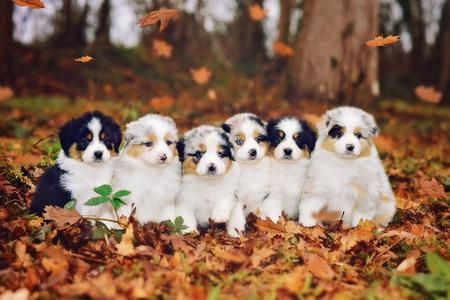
[
  {"x": 180, "y": 148},
  {"x": 336, "y": 132},
  {"x": 226, "y": 127},
  {"x": 257, "y": 120},
  {"x": 227, "y": 146},
  {"x": 272, "y": 136},
  {"x": 307, "y": 137}
]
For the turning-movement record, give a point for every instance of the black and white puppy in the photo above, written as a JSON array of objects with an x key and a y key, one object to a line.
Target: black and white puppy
[
  {"x": 88, "y": 145},
  {"x": 210, "y": 175},
  {"x": 291, "y": 143}
]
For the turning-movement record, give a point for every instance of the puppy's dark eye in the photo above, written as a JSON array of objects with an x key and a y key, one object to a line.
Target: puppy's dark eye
[
  {"x": 239, "y": 141},
  {"x": 198, "y": 155},
  {"x": 148, "y": 144},
  {"x": 358, "y": 135},
  {"x": 281, "y": 134},
  {"x": 221, "y": 154},
  {"x": 83, "y": 144},
  {"x": 260, "y": 139},
  {"x": 336, "y": 132},
  {"x": 169, "y": 143}
]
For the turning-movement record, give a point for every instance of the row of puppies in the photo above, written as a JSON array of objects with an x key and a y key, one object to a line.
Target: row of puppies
[{"x": 224, "y": 173}]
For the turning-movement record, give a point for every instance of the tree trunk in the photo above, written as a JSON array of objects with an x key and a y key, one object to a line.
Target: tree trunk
[
  {"x": 6, "y": 42},
  {"x": 104, "y": 24},
  {"x": 332, "y": 62},
  {"x": 444, "y": 81},
  {"x": 284, "y": 22}
]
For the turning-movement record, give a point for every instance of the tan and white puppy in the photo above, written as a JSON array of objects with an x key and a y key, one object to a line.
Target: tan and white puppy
[
  {"x": 248, "y": 135},
  {"x": 210, "y": 175},
  {"x": 149, "y": 168},
  {"x": 346, "y": 174}
]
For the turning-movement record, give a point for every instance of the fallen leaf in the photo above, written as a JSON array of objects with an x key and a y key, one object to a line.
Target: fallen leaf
[
  {"x": 318, "y": 266},
  {"x": 428, "y": 94},
  {"x": 84, "y": 59},
  {"x": 256, "y": 12},
  {"x": 30, "y": 3},
  {"x": 5, "y": 93},
  {"x": 270, "y": 226},
  {"x": 20, "y": 294},
  {"x": 379, "y": 40},
  {"x": 23, "y": 258},
  {"x": 7, "y": 187},
  {"x": 407, "y": 266},
  {"x": 281, "y": 49},
  {"x": 162, "y": 48},
  {"x": 362, "y": 232},
  {"x": 161, "y": 103},
  {"x": 201, "y": 75},
  {"x": 432, "y": 188},
  {"x": 126, "y": 247},
  {"x": 234, "y": 257},
  {"x": 164, "y": 15},
  {"x": 261, "y": 254},
  {"x": 63, "y": 217}
]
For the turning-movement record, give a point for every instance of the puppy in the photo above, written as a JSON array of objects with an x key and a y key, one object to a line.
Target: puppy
[
  {"x": 247, "y": 133},
  {"x": 89, "y": 144},
  {"x": 346, "y": 174},
  {"x": 291, "y": 143},
  {"x": 210, "y": 175},
  {"x": 148, "y": 167}
]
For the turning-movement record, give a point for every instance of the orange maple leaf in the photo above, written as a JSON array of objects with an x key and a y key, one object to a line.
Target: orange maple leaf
[
  {"x": 30, "y": 3},
  {"x": 281, "y": 49},
  {"x": 256, "y": 12},
  {"x": 84, "y": 59},
  {"x": 162, "y": 49},
  {"x": 428, "y": 94},
  {"x": 380, "y": 41},
  {"x": 201, "y": 75},
  {"x": 432, "y": 188},
  {"x": 164, "y": 15}
]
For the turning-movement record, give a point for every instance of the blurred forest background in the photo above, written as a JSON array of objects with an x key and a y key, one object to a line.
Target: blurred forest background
[{"x": 292, "y": 50}]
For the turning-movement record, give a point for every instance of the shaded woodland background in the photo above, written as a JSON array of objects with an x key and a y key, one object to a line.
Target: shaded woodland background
[{"x": 330, "y": 61}]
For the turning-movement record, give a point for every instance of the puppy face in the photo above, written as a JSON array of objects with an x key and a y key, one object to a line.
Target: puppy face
[
  {"x": 347, "y": 132},
  {"x": 151, "y": 139},
  {"x": 91, "y": 138},
  {"x": 248, "y": 135},
  {"x": 206, "y": 151},
  {"x": 290, "y": 139}
]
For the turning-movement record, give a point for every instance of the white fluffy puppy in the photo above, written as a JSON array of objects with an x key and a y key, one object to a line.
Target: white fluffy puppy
[
  {"x": 210, "y": 175},
  {"x": 149, "y": 168},
  {"x": 248, "y": 135},
  {"x": 291, "y": 142},
  {"x": 346, "y": 174}
]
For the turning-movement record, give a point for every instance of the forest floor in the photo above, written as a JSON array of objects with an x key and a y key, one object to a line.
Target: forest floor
[{"x": 408, "y": 259}]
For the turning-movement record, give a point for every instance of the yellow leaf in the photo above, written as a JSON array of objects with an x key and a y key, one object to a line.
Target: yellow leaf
[
  {"x": 126, "y": 247},
  {"x": 379, "y": 41}
]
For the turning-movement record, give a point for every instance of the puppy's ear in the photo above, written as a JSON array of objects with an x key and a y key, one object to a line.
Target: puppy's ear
[
  {"x": 129, "y": 139},
  {"x": 180, "y": 148},
  {"x": 226, "y": 127},
  {"x": 307, "y": 137},
  {"x": 272, "y": 137},
  {"x": 68, "y": 133},
  {"x": 115, "y": 133},
  {"x": 371, "y": 124}
]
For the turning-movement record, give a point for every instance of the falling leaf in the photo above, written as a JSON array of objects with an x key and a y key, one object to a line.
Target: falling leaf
[
  {"x": 432, "y": 188},
  {"x": 428, "y": 94},
  {"x": 20, "y": 294},
  {"x": 379, "y": 40},
  {"x": 126, "y": 247},
  {"x": 162, "y": 49},
  {"x": 164, "y": 15},
  {"x": 5, "y": 93},
  {"x": 63, "y": 217},
  {"x": 281, "y": 49},
  {"x": 84, "y": 59},
  {"x": 318, "y": 266},
  {"x": 30, "y": 3},
  {"x": 256, "y": 12},
  {"x": 201, "y": 75},
  {"x": 408, "y": 264}
]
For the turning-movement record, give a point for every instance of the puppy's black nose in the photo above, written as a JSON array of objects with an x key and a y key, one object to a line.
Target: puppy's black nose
[
  {"x": 252, "y": 152},
  {"x": 212, "y": 168},
  {"x": 163, "y": 157},
  {"x": 350, "y": 147},
  {"x": 98, "y": 154},
  {"x": 287, "y": 151}
]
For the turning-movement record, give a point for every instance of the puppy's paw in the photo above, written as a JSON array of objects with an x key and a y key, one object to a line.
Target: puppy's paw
[
  {"x": 307, "y": 221},
  {"x": 220, "y": 216}
]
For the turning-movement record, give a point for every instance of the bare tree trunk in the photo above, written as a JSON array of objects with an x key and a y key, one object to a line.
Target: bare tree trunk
[
  {"x": 104, "y": 24},
  {"x": 444, "y": 81},
  {"x": 6, "y": 42},
  {"x": 332, "y": 62},
  {"x": 284, "y": 22}
]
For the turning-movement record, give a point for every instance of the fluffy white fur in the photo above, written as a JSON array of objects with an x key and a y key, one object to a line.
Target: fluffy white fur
[
  {"x": 248, "y": 135},
  {"x": 352, "y": 182},
  {"x": 152, "y": 173},
  {"x": 207, "y": 195}
]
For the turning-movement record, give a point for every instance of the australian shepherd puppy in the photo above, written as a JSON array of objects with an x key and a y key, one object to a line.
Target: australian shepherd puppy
[
  {"x": 248, "y": 135},
  {"x": 291, "y": 143},
  {"x": 88, "y": 145},
  {"x": 148, "y": 167},
  {"x": 210, "y": 175},
  {"x": 346, "y": 174}
]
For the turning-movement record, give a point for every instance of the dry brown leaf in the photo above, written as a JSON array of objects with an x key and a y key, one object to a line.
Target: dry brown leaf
[
  {"x": 327, "y": 216},
  {"x": 379, "y": 40},
  {"x": 408, "y": 265},
  {"x": 281, "y": 49},
  {"x": 162, "y": 48},
  {"x": 7, "y": 187},
  {"x": 432, "y": 188},
  {"x": 318, "y": 266},
  {"x": 428, "y": 94},
  {"x": 30, "y": 3},
  {"x": 164, "y": 15},
  {"x": 5, "y": 93},
  {"x": 256, "y": 12},
  {"x": 63, "y": 217},
  {"x": 126, "y": 247},
  {"x": 363, "y": 232},
  {"x": 84, "y": 59},
  {"x": 20, "y": 294},
  {"x": 261, "y": 254},
  {"x": 201, "y": 75},
  {"x": 23, "y": 258},
  {"x": 270, "y": 226},
  {"x": 161, "y": 103},
  {"x": 234, "y": 257}
]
